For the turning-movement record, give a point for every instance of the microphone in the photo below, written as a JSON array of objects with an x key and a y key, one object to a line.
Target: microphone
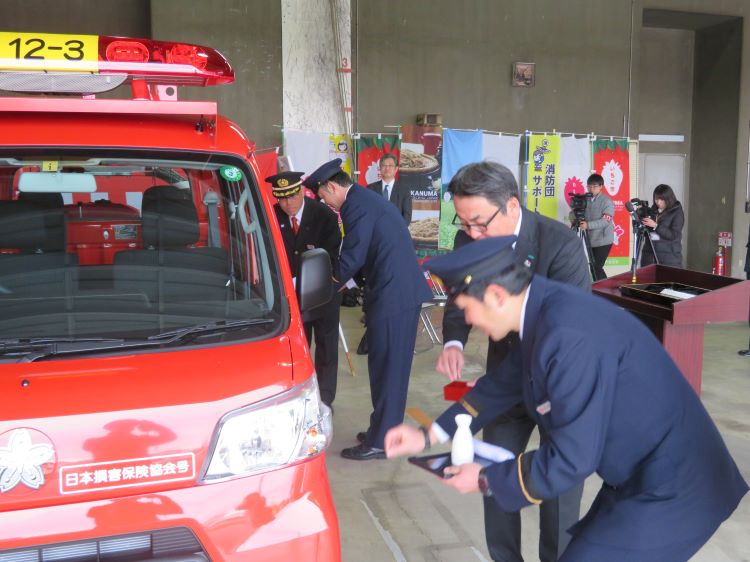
[{"x": 629, "y": 207}]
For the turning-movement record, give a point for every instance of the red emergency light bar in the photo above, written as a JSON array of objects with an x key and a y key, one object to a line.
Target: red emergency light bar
[
  {"x": 43, "y": 62},
  {"x": 155, "y": 61}
]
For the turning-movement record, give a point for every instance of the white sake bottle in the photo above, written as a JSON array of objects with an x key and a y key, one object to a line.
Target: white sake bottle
[{"x": 462, "y": 448}]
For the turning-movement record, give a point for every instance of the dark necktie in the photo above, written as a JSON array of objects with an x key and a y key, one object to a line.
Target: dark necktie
[
  {"x": 295, "y": 226},
  {"x": 386, "y": 191}
]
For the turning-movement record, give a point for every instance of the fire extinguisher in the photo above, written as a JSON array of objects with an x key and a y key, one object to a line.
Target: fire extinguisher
[{"x": 719, "y": 262}]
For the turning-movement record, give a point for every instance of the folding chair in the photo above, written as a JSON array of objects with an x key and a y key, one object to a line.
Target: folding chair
[{"x": 439, "y": 298}]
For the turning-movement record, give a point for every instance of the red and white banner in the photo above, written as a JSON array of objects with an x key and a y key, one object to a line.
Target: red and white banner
[{"x": 612, "y": 161}]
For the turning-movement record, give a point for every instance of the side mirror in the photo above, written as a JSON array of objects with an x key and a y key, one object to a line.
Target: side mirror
[{"x": 314, "y": 286}]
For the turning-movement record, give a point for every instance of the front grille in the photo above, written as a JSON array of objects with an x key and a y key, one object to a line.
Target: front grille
[{"x": 175, "y": 543}]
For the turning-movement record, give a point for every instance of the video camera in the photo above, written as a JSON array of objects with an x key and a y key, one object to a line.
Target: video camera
[
  {"x": 578, "y": 203},
  {"x": 642, "y": 209}
]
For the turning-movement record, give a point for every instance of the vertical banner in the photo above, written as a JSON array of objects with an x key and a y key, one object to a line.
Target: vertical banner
[
  {"x": 465, "y": 147},
  {"x": 459, "y": 148},
  {"x": 419, "y": 170},
  {"x": 267, "y": 166},
  {"x": 369, "y": 150},
  {"x": 504, "y": 149},
  {"x": 543, "y": 174},
  {"x": 306, "y": 150},
  {"x": 339, "y": 147},
  {"x": 611, "y": 160},
  {"x": 575, "y": 168}
]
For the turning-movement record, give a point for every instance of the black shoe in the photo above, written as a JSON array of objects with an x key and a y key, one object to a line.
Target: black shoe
[
  {"x": 362, "y": 347},
  {"x": 363, "y": 453},
  {"x": 362, "y": 436},
  {"x": 744, "y": 352}
]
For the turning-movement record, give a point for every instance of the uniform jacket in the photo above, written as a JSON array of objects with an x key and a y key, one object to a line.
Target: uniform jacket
[
  {"x": 552, "y": 249},
  {"x": 600, "y": 213},
  {"x": 400, "y": 196},
  {"x": 611, "y": 401},
  {"x": 668, "y": 247},
  {"x": 377, "y": 241},
  {"x": 319, "y": 228}
]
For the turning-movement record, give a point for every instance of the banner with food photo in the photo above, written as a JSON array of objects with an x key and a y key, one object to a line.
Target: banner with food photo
[
  {"x": 612, "y": 161},
  {"x": 369, "y": 149},
  {"x": 419, "y": 170},
  {"x": 542, "y": 173}
]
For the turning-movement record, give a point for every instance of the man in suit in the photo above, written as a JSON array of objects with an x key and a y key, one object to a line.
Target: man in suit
[
  {"x": 391, "y": 189},
  {"x": 306, "y": 224},
  {"x": 669, "y": 480},
  {"x": 486, "y": 200},
  {"x": 400, "y": 196},
  {"x": 377, "y": 241}
]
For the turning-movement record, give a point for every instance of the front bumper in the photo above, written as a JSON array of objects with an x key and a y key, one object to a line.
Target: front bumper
[{"x": 285, "y": 514}]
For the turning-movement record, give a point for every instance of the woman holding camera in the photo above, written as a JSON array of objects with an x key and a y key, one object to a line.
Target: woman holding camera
[{"x": 666, "y": 229}]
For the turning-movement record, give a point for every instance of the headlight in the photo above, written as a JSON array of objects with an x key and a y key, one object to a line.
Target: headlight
[{"x": 282, "y": 430}]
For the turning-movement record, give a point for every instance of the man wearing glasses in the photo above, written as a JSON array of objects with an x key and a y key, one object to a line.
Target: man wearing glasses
[
  {"x": 487, "y": 204},
  {"x": 391, "y": 189}
]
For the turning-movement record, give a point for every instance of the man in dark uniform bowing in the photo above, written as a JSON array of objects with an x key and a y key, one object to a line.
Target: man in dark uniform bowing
[
  {"x": 668, "y": 478},
  {"x": 377, "y": 241},
  {"x": 487, "y": 204},
  {"x": 306, "y": 224}
]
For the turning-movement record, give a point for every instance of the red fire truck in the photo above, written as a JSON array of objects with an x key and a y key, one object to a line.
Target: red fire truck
[{"x": 158, "y": 397}]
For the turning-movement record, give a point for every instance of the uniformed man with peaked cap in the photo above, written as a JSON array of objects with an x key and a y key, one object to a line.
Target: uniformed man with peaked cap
[
  {"x": 306, "y": 224},
  {"x": 668, "y": 478},
  {"x": 377, "y": 242}
]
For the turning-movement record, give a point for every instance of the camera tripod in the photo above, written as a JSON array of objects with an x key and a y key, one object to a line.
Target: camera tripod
[
  {"x": 640, "y": 233},
  {"x": 584, "y": 237}
]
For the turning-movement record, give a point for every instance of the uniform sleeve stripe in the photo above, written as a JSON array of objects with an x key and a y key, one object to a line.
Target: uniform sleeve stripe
[
  {"x": 469, "y": 408},
  {"x": 526, "y": 494}
]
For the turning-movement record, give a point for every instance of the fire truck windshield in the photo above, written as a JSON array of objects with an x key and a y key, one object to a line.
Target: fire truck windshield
[{"x": 133, "y": 249}]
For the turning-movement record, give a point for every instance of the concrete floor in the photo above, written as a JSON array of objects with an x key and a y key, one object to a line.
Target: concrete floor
[{"x": 390, "y": 510}]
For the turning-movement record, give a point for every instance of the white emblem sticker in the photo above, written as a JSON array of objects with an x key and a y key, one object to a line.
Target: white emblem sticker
[{"x": 22, "y": 459}]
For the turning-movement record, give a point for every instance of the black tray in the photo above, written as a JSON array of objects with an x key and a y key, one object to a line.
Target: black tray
[
  {"x": 652, "y": 292},
  {"x": 438, "y": 463}
]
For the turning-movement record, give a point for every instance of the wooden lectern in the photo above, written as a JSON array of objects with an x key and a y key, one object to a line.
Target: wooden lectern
[{"x": 679, "y": 324}]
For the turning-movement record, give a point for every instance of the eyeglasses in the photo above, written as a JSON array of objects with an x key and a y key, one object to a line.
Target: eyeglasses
[{"x": 481, "y": 228}]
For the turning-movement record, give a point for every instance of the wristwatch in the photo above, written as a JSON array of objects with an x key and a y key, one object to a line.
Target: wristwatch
[{"x": 484, "y": 485}]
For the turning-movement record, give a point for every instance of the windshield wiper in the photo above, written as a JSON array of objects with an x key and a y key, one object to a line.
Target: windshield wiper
[
  {"x": 181, "y": 334},
  {"x": 13, "y": 345},
  {"x": 35, "y": 349}
]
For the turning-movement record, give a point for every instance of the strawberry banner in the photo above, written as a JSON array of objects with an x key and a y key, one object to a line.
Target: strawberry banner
[
  {"x": 612, "y": 161},
  {"x": 369, "y": 151}
]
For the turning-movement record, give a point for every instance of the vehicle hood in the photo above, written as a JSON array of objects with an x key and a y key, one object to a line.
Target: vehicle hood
[{"x": 72, "y": 429}]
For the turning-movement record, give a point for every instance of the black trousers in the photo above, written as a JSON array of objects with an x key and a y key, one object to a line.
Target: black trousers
[
  {"x": 324, "y": 328},
  {"x": 391, "y": 342},
  {"x": 502, "y": 529},
  {"x": 600, "y": 254}
]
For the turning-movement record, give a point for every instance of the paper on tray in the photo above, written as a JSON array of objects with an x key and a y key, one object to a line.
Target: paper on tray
[
  {"x": 492, "y": 452},
  {"x": 676, "y": 294}
]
